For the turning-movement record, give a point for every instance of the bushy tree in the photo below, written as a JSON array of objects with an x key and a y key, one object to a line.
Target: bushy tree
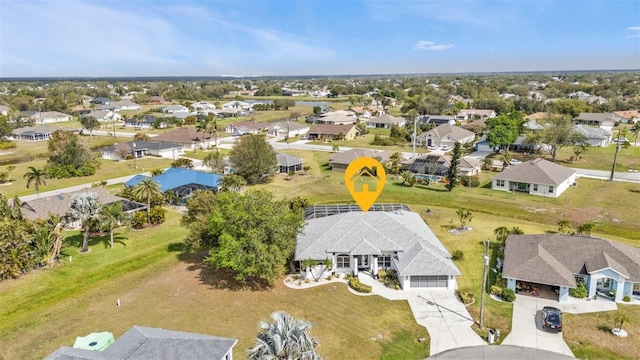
[
  {"x": 254, "y": 159},
  {"x": 557, "y": 132},
  {"x": 183, "y": 163},
  {"x": 232, "y": 182},
  {"x": 69, "y": 156},
  {"x": 253, "y": 234},
  {"x": 90, "y": 123},
  {"x": 452, "y": 173}
]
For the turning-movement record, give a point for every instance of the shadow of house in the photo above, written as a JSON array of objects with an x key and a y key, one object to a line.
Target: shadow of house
[{"x": 364, "y": 174}]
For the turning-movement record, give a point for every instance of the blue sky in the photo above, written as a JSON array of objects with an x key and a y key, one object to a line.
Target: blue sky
[{"x": 306, "y": 37}]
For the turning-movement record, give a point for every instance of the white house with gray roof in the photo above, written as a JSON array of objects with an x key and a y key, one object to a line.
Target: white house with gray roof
[
  {"x": 595, "y": 136},
  {"x": 536, "y": 177},
  {"x": 607, "y": 268},
  {"x": 369, "y": 241}
]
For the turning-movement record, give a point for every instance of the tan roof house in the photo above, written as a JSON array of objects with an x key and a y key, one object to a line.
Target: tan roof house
[
  {"x": 340, "y": 161},
  {"x": 386, "y": 121},
  {"x": 445, "y": 134},
  {"x": 629, "y": 116},
  {"x": 536, "y": 177},
  {"x": 324, "y": 131},
  {"x": 606, "y": 267},
  {"x": 189, "y": 137}
]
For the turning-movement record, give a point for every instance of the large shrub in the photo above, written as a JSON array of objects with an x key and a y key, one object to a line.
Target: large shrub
[
  {"x": 465, "y": 296},
  {"x": 139, "y": 220},
  {"x": 508, "y": 295},
  {"x": 356, "y": 285},
  {"x": 6, "y": 145},
  {"x": 157, "y": 215},
  {"x": 389, "y": 278},
  {"x": 580, "y": 291},
  {"x": 496, "y": 290},
  {"x": 457, "y": 255}
]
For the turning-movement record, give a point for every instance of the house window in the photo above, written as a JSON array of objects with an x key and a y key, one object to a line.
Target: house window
[
  {"x": 636, "y": 289},
  {"x": 535, "y": 187},
  {"x": 500, "y": 183},
  {"x": 580, "y": 278},
  {"x": 550, "y": 189},
  {"x": 343, "y": 261},
  {"x": 384, "y": 261}
]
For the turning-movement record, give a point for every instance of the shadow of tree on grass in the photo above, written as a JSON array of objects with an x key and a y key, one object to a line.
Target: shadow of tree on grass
[
  {"x": 210, "y": 275},
  {"x": 76, "y": 240}
]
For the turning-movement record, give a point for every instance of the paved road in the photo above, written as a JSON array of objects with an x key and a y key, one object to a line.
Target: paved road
[
  {"x": 499, "y": 352},
  {"x": 605, "y": 175}
]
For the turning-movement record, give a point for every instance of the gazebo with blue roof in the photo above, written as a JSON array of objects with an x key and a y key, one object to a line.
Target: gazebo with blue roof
[{"x": 181, "y": 181}]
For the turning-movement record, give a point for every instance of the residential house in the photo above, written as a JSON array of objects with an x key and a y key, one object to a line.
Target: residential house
[
  {"x": 369, "y": 241},
  {"x": 203, "y": 106},
  {"x": 293, "y": 92},
  {"x": 4, "y": 110},
  {"x": 608, "y": 269},
  {"x": 158, "y": 100},
  {"x": 457, "y": 98},
  {"x": 323, "y": 131},
  {"x": 629, "y": 116},
  {"x": 603, "y": 120},
  {"x": 536, "y": 177},
  {"x": 48, "y": 117},
  {"x": 34, "y": 133},
  {"x": 596, "y": 136},
  {"x": 438, "y": 165},
  {"x": 340, "y": 117},
  {"x": 475, "y": 126},
  {"x": 142, "y": 148},
  {"x": 473, "y": 114},
  {"x": 172, "y": 109},
  {"x": 288, "y": 164},
  {"x": 144, "y": 343},
  {"x": 445, "y": 134},
  {"x": 537, "y": 116},
  {"x": 236, "y": 105},
  {"x": 183, "y": 182},
  {"x": 104, "y": 115},
  {"x": 364, "y": 112},
  {"x": 189, "y": 137},
  {"x": 100, "y": 101},
  {"x": 39, "y": 209},
  {"x": 287, "y": 129},
  {"x": 246, "y": 127},
  {"x": 436, "y": 119},
  {"x": 145, "y": 122},
  {"x": 386, "y": 121},
  {"x": 340, "y": 161},
  {"x": 125, "y": 105}
]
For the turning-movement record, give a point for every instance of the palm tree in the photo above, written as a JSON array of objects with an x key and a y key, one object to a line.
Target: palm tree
[
  {"x": 586, "y": 228},
  {"x": 10, "y": 169},
  {"x": 85, "y": 207},
  {"x": 636, "y": 132},
  {"x": 564, "y": 226},
  {"x": 145, "y": 190},
  {"x": 285, "y": 338},
  {"x": 209, "y": 125},
  {"x": 112, "y": 215},
  {"x": 37, "y": 177}
]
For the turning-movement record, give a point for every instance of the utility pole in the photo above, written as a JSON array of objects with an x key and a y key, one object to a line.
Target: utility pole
[
  {"x": 133, "y": 150},
  {"x": 484, "y": 282},
  {"x": 615, "y": 157},
  {"x": 415, "y": 134}
]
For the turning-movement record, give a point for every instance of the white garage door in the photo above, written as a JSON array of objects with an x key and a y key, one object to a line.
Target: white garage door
[{"x": 431, "y": 281}]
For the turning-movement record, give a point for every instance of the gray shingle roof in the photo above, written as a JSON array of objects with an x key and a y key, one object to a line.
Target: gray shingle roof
[
  {"x": 59, "y": 204},
  {"x": 387, "y": 119},
  {"x": 287, "y": 160},
  {"x": 144, "y": 145},
  {"x": 592, "y": 132},
  {"x": 554, "y": 258},
  {"x": 143, "y": 343},
  {"x": 537, "y": 171},
  {"x": 348, "y": 156},
  {"x": 377, "y": 232},
  {"x": 447, "y": 130}
]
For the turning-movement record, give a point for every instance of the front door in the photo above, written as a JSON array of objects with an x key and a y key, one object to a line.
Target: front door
[{"x": 363, "y": 262}]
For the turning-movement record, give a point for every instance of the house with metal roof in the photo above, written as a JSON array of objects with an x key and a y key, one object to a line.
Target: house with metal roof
[
  {"x": 607, "y": 268},
  {"x": 144, "y": 343},
  {"x": 182, "y": 182},
  {"x": 357, "y": 241},
  {"x": 536, "y": 177}
]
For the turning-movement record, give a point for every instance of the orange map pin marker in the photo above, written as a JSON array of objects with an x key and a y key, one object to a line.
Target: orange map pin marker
[{"x": 365, "y": 179}]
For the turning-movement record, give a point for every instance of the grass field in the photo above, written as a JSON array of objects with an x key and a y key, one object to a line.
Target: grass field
[{"x": 148, "y": 270}]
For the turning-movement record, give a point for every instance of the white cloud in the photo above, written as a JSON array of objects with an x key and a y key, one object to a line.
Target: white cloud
[
  {"x": 634, "y": 28},
  {"x": 432, "y": 46}
]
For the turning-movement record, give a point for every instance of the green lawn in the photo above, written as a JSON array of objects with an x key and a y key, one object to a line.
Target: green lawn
[
  {"x": 364, "y": 141},
  {"x": 147, "y": 270}
]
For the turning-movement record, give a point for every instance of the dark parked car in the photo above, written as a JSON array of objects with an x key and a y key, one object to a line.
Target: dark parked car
[{"x": 552, "y": 318}]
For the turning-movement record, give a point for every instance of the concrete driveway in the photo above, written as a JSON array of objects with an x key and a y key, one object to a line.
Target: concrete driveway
[
  {"x": 446, "y": 319},
  {"x": 526, "y": 327}
]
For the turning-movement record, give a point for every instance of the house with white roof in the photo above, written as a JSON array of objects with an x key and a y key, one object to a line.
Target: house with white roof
[
  {"x": 203, "y": 106},
  {"x": 471, "y": 114},
  {"x": 48, "y": 117},
  {"x": 445, "y": 134},
  {"x": 172, "y": 109},
  {"x": 357, "y": 241},
  {"x": 596, "y": 136},
  {"x": 236, "y": 105},
  {"x": 386, "y": 121}
]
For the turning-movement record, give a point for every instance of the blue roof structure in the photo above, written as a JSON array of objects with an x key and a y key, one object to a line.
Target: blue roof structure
[{"x": 174, "y": 178}]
